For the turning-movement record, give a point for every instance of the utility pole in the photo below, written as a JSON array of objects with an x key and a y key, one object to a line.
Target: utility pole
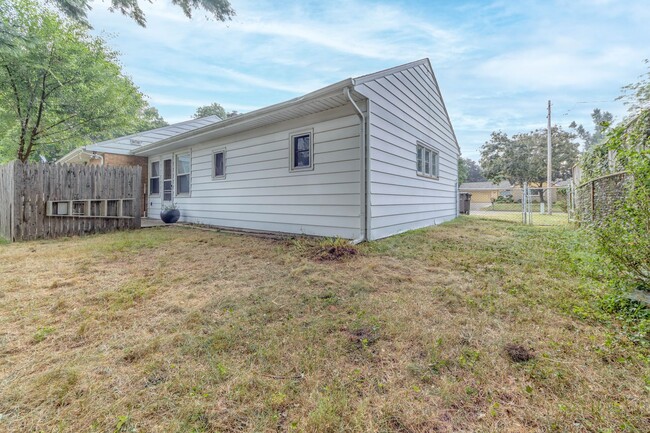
[{"x": 549, "y": 170}]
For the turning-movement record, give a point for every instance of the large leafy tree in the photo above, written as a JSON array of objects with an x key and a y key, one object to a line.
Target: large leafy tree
[
  {"x": 463, "y": 171},
  {"x": 522, "y": 157},
  {"x": 470, "y": 170},
  {"x": 214, "y": 109},
  {"x": 61, "y": 87},
  {"x": 623, "y": 235},
  {"x": 602, "y": 120},
  {"x": 78, "y": 9},
  {"x": 600, "y": 158}
]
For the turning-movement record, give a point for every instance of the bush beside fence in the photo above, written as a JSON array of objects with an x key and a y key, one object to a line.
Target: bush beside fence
[{"x": 601, "y": 197}]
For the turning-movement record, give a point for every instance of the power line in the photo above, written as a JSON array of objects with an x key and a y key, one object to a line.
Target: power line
[{"x": 586, "y": 102}]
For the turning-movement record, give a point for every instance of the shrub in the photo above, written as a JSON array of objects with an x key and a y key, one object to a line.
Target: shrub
[{"x": 624, "y": 235}]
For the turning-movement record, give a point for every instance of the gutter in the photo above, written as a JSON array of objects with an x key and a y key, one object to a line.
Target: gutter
[
  {"x": 242, "y": 119},
  {"x": 363, "y": 169}
]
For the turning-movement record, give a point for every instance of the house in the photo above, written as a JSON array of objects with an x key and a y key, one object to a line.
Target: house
[
  {"x": 364, "y": 158},
  {"x": 487, "y": 192},
  {"x": 118, "y": 151}
]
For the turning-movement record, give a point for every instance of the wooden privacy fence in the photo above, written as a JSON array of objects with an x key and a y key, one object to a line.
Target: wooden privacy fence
[{"x": 40, "y": 201}]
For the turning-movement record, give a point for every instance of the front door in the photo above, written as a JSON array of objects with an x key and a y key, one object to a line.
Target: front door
[{"x": 168, "y": 188}]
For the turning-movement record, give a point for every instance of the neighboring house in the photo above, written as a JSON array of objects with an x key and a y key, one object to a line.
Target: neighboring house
[
  {"x": 487, "y": 192},
  {"x": 118, "y": 151},
  {"x": 363, "y": 158}
]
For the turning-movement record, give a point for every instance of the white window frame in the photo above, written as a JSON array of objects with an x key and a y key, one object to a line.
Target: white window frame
[
  {"x": 292, "y": 167},
  {"x": 176, "y": 175},
  {"x": 430, "y": 154},
  {"x": 214, "y": 164},
  {"x": 151, "y": 163}
]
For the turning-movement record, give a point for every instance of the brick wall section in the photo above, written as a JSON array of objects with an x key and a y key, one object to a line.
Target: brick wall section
[
  {"x": 599, "y": 198},
  {"x": 116, "y": 160}
]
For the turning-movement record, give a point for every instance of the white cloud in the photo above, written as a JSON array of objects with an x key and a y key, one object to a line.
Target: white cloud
[
  {"x": 550, "y": 68},
  {"x": 497, "y": 62}
]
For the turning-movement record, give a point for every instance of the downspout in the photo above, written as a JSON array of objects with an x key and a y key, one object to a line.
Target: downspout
[{"x": 363, "y": 181}]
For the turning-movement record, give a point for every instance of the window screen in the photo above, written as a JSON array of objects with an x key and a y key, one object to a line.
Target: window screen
[
  {"x": 183, "y": 174},
  {"x": 154, "y": 178},
  {"x": 427, "y": 161},
  {"x": 301, "y": 151},
  {"x": 219, "y": 164}
]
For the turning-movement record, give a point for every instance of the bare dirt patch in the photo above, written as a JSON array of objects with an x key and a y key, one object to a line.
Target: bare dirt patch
[{"x": 519, "y": 353}]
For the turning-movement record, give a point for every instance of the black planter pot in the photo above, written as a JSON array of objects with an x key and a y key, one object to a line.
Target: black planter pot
[{"x": 170, "y": 216}]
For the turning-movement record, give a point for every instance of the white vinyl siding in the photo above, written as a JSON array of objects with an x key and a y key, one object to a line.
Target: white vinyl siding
[
  {"x": 406, "y": 109},
  {"x": 261, "y": 193}
]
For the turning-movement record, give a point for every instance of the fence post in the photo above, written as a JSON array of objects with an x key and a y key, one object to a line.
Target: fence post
[
  {"x": 593, "y": 201},
  {"x": 524, "y": 204}
]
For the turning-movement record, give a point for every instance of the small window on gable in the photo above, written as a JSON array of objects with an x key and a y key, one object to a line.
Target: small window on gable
[
  {"x": 219, "y": 164},
  {"x": 302, "y": 147},
  {"x": 154, "y": 178},
  {"x": 427, "y": 162}
]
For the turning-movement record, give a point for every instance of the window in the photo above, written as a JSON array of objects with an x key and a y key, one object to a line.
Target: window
[
  {"x": 154, "y": 178},
  {"x": 219, "y": 164},
  {"x": 167, "y": 180},
  {"x": 301, "y": 151},
  {"x": 183, "y": 174},
  {"x": 427, "y": 161}
]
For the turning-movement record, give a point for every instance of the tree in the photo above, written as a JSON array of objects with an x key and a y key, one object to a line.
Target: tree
[
  {"x": 146, "y": 119},
  {"x": 214, "y": 109},
  {"x": 463, "y": 171},
  {"x": 602, "y": 120},
  {"x": 62, "y": 88},
  {"x": 78, "y": 9},
  {"x": 150, "y": 119},
  {"x": 473, "y": 170},
  {"x": 637, "y": 95},
  {"x": 624, "y": 235},
  {"x": 522, "y": 157}
]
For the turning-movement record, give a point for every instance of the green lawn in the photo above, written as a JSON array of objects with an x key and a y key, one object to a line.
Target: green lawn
[
  {"x": 475, "y": 325},
  {"x": 514, "y": 207},
  {"x": 556, "y": 219}
]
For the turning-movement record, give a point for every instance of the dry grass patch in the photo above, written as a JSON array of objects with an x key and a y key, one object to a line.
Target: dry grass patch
[{"x": 179, "y": 330}]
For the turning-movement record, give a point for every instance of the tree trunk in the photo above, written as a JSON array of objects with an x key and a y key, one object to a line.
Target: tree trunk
[{"x": 541, "y": 194}]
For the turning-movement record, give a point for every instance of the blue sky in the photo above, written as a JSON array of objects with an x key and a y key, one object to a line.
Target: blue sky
[{"x": 497, "y": 62}]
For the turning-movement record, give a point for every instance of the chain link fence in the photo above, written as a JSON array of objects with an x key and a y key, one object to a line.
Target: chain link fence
[{"x": 525, "y": 205}]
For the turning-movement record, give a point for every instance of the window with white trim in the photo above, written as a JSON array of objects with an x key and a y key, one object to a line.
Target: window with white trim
[
  {"x": 302, "y": 151},
  {"x": 219, "y": 164},
  {"x": 427, "y": 162},
  {"x": 154, "y": 178},
  {"x": 183, "y": 163}
]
